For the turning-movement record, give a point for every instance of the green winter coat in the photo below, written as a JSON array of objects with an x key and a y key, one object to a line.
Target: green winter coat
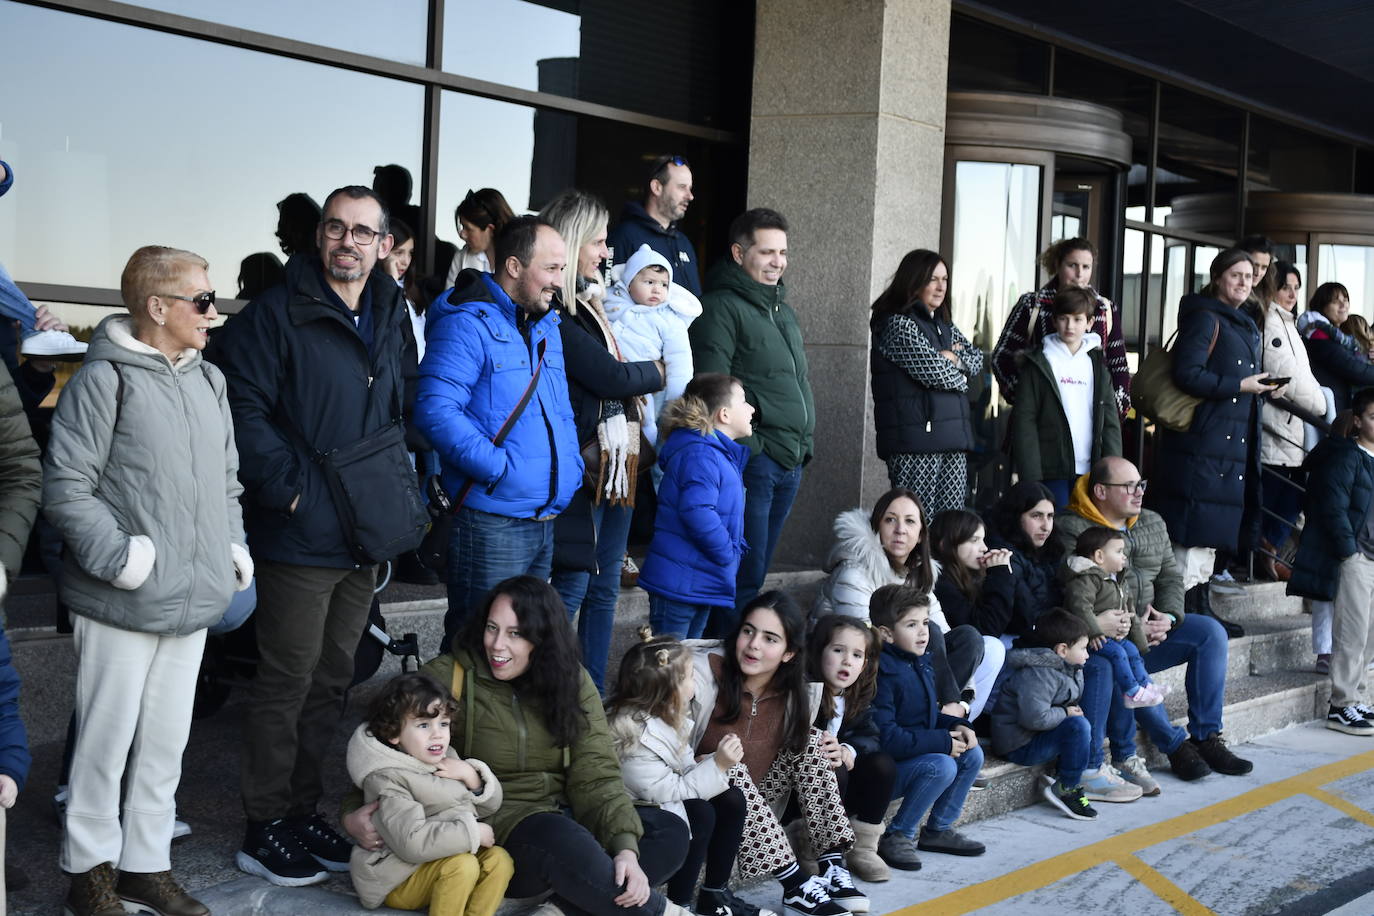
[
  {"x": 747, "y": 330},
  {"x": 1153, "y": 576},
  {"x": 1088, "y": 591},
  {"x": 1042, "y": 446},
  {"x": 508, "y": 735},
  {"x": 21, "y": 479}
]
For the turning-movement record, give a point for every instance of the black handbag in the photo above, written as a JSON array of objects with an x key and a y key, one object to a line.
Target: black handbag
[{"x": 373, "y": 487}]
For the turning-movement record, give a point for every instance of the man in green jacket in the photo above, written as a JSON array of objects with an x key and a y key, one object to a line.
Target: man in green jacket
[
  {"x": 1110, "y": 495},
  {"x": 748, "y": 330}
]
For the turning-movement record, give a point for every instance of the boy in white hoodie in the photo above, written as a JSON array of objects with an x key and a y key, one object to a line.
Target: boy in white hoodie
[
  {"x": 1065, "y": 416},
  {"x": 649, "y": 315}
]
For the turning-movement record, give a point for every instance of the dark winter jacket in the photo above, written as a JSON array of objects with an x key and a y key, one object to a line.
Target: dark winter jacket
[
  {"x": 1335, "y": 365},
  {"x": 1206, "y": 476},
  {"x": 637, "y": 227},
  {"x": 506, "y": 731},
  {"x": 594, "y": 375},
  {"x": 905, "y": 708},
  {"x": 1042, "y": 445},
  {"x": 748, "y": 330},
  {"x": 301, "y": 377},
  {"x": 1152, "y": 578},
  {"x": 920, "y": 399},
  {"x": 480, "y": 353},
  {"x": 992, "y": 612},
  {"x": 1034, "y": 697},
  {"x": 14, "y": 741},
  {"x": 1340, "y": 488},
  {"x": 699, "y": 527},
  {"x": 1037, "y": 585},
  {"x": 21, "y": 480},
  {"x": 858, "y": 731},
  {"x": 1088, "y": 591}
]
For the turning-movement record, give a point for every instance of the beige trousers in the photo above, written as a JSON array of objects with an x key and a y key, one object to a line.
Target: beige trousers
[{"x": 1352, "y": 631}]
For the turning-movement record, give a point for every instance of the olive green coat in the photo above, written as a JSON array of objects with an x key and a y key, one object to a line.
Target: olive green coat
[{"x": 21, "y": 479}]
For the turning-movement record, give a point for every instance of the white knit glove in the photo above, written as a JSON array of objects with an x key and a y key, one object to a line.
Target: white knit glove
[{"x": 617, "y": 445}]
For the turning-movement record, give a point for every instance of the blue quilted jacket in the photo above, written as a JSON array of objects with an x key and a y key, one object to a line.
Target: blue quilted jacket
[{"x": 478, "y": 362}]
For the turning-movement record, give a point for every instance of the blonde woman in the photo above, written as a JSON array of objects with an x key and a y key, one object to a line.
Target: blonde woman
[{"x": 141, "y": 479}]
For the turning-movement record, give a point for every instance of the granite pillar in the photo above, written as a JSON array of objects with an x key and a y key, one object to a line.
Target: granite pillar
[{"x": 846, "y": 141}]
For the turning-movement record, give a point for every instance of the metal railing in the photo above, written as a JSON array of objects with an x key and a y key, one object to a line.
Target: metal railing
[{"x": 1268, "y": 475}]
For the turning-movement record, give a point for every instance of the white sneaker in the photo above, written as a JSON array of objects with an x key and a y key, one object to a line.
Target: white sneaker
[
  {"x": 180, "y": 829},
  {"x": 1106, "y": 785},
  {"x": 53, "y": 345}
]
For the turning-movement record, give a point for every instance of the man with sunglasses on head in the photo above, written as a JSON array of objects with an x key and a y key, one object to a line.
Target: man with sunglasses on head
[
  {"x": 1111, "y": 495},
  {"x": 320, "y": 362},
  {"x": 654, "y": 222}
]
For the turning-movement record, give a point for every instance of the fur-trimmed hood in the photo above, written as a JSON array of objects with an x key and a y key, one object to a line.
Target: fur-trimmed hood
[{"x": 857, "y": 567}]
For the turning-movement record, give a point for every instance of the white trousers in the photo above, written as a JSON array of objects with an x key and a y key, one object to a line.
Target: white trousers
[
  {"x": 134, "y": 694},
  {"x": 985, "y": 675}
]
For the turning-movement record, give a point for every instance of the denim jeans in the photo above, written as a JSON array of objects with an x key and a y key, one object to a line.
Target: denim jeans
[
  {"x": 485, "y": 549},
  {"x": 1200, "y": 643},
  {"x": 935, "y": 781},
  {"x": 1068, "y": 741},
  {"x": 15, "y": 306},
  {"x": 769, "y": 489},
  {"x": 1128, "y": 667},
  {"x": 677, "y": 618},
  {"x": 591, "y": 597}
]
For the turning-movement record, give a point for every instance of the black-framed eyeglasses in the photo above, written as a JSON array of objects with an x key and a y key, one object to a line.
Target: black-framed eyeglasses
[
  {"x": 1135, "y": 487},
  {"x": 363, "y": 235},
  {"x": 202, "y": 301}
]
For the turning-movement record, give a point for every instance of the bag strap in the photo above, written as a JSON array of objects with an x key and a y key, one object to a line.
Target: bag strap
[
  {"x": 119, "y": 391},
  {"x": 1216, "y": 329},
  {"x": 457, "y": 681},
  {"x": 509, "y": 424}
]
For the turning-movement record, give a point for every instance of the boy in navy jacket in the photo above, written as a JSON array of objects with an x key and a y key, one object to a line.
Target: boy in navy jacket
[
  {"x": 937, "y": 755},
  {"x": 1337, "y": 549}
]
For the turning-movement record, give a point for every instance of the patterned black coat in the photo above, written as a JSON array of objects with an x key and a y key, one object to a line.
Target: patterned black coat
[{"x": 1205, "y": 477}]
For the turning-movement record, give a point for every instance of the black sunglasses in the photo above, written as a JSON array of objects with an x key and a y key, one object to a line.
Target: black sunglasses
[{"x": 202, "y": 302}]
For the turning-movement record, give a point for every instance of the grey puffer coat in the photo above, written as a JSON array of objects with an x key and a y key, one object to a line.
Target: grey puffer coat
[
  {"x": 1035, "y": 697},
  {"x": 145, "y": 491}
]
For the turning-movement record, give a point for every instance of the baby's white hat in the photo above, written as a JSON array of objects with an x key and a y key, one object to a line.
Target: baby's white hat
[{"x": 641, "y": 259}]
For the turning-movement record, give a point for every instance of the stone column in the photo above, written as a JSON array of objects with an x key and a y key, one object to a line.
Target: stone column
[{"x": 847, "y": 142}]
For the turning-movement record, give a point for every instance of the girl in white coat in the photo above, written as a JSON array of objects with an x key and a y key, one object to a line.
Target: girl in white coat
[{"x": 651, "y": 728}]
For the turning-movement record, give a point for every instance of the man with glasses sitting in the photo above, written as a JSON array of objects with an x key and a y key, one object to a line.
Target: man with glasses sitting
[
  {"x": 317, "y": 363},
  {"x": 654, "y": 223},
  {"x": 1110, "y": 495}
]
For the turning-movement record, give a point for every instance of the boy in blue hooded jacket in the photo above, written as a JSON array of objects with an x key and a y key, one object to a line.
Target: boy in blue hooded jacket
[{"x": 937, "y": 755}]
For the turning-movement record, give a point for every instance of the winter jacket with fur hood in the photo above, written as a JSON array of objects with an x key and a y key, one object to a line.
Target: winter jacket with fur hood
[
  {"x": 658, "y": 766},
  {"x": 858, "y": 567},
  {"x": 1034, "y": 698},
  {"x": 141, "y": 478},
  {"x": 1088, "y": 591},
  {"x": 421, "y": 817}
]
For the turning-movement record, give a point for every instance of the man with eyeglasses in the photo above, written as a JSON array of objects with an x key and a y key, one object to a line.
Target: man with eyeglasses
[
  {"x": 654, "y": 222},
  {"x": 1111, "y": 495},
  {"x": 320, "y": 362}
]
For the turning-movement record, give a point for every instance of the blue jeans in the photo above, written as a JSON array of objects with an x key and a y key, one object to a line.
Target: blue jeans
[
  {"x": 769, "y": 489},
  {"x": 677, "y": 618},
  {"x": 591, "y": 597},
  {"x": 486, "y": 549},
  {"x": 935, "y": 781},
  {"x": 1128, "y": 668},
  {"x": 1200, "y": 643},
  {"x": 1067, "y": 741}
]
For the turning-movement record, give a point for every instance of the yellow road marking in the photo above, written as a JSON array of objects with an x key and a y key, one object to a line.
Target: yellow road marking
[
  {"x": 1162, "y": 887},
  {"x": 1124, "y": 846}
]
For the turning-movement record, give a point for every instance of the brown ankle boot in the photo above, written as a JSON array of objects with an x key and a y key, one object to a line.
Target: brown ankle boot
[
  {"x": 92, "y": 893},
  {"x": 158, "y": 891}
]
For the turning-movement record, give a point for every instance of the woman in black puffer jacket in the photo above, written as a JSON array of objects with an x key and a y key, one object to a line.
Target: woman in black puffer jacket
[
  {"x": 1022, "y": 521},
  {"x": 1207, "y": 479}
]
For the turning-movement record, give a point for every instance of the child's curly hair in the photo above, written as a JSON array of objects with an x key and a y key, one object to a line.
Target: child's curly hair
[
  {"x": 417, "y": 694},
  {"x": 649, "y": 686}
]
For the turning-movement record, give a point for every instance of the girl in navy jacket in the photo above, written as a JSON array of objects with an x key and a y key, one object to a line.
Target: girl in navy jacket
[{"x": 699, "y": 528}]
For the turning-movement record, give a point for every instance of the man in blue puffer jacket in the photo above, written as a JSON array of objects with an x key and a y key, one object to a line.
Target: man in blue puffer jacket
[{"x": 485, "y": 340}]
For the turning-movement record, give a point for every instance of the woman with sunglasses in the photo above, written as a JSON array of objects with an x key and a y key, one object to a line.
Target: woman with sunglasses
[{"x": 141, "y": 479}]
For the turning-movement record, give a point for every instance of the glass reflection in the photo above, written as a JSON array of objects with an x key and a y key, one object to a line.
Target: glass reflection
[
  {"x": 1175, "y": 288},
  {"x": 395, "y": 31},
  {"x": 1353, "y": 267},
  {"x": 503, "y": 159},
  {"x": 513, "y": 42},
  {"x": 180, "y": 161}
]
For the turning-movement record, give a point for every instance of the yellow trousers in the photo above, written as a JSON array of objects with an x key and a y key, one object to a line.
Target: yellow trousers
[{"x": 461, "y": 885}]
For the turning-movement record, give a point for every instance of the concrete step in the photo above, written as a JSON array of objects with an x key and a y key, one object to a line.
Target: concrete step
[{"x": 1255, "y": 601}]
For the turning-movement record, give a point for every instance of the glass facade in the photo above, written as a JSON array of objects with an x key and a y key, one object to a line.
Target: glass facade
[{"x": 192, "y": 141}]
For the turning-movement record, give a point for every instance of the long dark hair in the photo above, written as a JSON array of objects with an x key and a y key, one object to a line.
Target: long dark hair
[
  {"x": 903, "y": 293},
  {"x": 554, "y": 677},
  {"x": 1005, "y": 520},
  {"x": 789, "y": 679},
  {"x": 859, "y": 694},
  {"x": 920, "y": 574},
  {"x": 950, "y": 529}
]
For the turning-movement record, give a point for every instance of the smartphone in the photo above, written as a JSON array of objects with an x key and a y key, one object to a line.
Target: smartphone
[{"x": 1274, "y": 382}]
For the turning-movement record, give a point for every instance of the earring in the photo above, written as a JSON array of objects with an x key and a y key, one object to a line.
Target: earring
[{"x": 161, "y": 322}]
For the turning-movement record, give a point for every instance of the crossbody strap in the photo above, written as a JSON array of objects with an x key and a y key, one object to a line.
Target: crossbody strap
[{"x": 509, "y": 424}]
